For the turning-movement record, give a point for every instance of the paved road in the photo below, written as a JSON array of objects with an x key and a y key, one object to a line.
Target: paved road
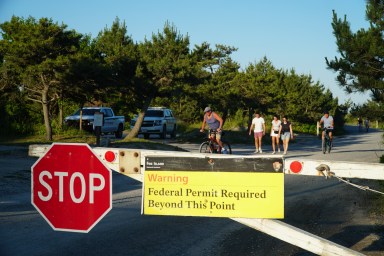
[
  {"x": 326, "y": 208},
  {"x": 354, "y": 146}
]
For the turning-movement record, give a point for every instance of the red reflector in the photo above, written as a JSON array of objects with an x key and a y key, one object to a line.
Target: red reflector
[
  {"x": 109, "y": 156},
  {"x": 296, "y": 166}
]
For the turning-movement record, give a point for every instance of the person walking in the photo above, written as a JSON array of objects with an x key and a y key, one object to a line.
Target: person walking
[
  {"x": 258, "y": 127},
  {"x": 275, "y": 134},
  {"x": 366, "y": 122},
  {"x": 285, "y": 133}
]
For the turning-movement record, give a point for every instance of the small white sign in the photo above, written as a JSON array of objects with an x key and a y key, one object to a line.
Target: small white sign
[{"x": 98, "y": 119}]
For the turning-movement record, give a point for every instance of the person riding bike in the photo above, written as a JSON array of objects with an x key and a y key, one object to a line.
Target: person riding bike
[
  {"x": 215, "y": 123},
  {"x": 328, "y": 123},
  {"x": 360, "y": 123}
]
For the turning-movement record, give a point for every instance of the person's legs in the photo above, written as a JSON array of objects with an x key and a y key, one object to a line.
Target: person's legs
[
  {"x": 286, "y": 145},
  {"x": 274, "y": 142},
  {"x": 218, "y": 139},
  {"x": 219, "y": 142},
  {"x": 285, "y": 138},
  {"x": 258, "y": 136},
  {"x": 260, "y": 139},
  {"x": 331, "y": 139},
  {"x": 256, "y": 143}
]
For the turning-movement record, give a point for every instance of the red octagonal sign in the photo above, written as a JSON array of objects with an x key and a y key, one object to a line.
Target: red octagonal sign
[{"x": 71, "y": 187}]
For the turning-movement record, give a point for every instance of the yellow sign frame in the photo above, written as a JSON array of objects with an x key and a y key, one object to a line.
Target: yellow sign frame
[{"x": 210, "y": 193}]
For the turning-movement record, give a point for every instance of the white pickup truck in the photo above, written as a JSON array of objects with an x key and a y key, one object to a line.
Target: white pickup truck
[
  {"x": 111, "y": 123},
  {"x": 157, "y": 120}
]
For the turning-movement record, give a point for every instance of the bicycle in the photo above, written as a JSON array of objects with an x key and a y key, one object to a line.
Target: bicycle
[
  {"x": 211, "y": 145},
  {"x": 360, "y": 127},
  {"x": 326, "y": 144},
  {"x": 360, "y": 124}
]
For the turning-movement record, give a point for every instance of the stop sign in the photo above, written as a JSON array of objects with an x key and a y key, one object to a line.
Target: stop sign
[{"x": 71, "y": 187}]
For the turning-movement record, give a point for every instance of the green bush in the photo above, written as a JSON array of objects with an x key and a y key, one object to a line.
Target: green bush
[
  {"x": 237, "y": 121},
  {"x": 304, "y": 128}
]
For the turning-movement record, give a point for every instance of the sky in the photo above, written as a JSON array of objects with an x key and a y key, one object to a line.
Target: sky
[{"x": 292, "y": 34}]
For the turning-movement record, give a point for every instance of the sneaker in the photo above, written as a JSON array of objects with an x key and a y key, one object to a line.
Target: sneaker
[
  {"x": 261, "y": 151},
  {"x": 273, "y": 152},
  {"x": 284, "y": 153},
  {"x": 278, "y": 150},
  {"x": 224, "y": 151},
  {"x": 257, "y": 151}
]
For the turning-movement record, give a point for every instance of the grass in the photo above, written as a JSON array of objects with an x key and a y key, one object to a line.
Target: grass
[
  {"x": 85, "y": 138},
  {"x": 186, "y": 134},
  {"x": 40, "y": 139}
]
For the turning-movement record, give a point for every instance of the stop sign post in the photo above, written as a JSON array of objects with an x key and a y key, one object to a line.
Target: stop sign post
[{"x": 71, "y": 187}]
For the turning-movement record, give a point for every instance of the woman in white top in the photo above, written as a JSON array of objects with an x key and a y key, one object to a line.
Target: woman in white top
[{"x": 275, "y": 134}]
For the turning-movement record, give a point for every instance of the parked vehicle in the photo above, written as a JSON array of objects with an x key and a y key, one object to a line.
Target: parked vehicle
[
  {"x": 157, "y": 120},
  {"x": 111, "y": 123}
]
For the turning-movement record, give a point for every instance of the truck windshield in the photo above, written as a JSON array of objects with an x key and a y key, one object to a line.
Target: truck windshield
[
  {"x": 154, "y": 113},
  {"x": 87, "y": 112}
]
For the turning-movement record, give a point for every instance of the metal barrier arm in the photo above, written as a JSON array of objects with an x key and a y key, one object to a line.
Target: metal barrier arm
[
  {"x": 297, "y": 237},
  {"x": 374, "y": 171},
  {"x": 128, "y": 162}
]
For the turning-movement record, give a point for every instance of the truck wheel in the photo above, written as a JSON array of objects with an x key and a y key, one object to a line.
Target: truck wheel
[
  {"x": 119, "y": 132},
  {"x": 163, "y": 135}
]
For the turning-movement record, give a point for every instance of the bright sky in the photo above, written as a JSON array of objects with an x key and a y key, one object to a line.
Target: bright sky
[{"x": 291, "y": 34}]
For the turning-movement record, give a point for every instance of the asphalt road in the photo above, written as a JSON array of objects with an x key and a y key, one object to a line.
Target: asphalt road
[{"x": 327, "y": 208}]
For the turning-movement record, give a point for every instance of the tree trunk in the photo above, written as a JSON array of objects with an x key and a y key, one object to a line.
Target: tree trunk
[
  {"x": 61, "y": 115},
  {"x": 135, "y": 130},
  {"x": 47, "y": 121}
]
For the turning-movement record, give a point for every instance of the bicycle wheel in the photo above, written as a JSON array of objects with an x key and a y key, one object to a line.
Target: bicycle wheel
[
  {"x": 324, "y": 146},
  {"x": 226, "y": 148},
  {"x": 205, "y": 147}
]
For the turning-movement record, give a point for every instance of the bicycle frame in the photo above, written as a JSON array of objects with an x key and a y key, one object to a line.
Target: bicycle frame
[
  {"x": 326, "y": 142},
  {"x": 215, "y": 147},
  {"x": 211, "y": 145}
]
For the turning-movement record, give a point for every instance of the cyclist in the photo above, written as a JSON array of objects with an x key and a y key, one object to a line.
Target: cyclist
[
  {"x": 328, "y": 123},
  {"x": 360, "y": 123},
  {"x": 215, "y": 123}
]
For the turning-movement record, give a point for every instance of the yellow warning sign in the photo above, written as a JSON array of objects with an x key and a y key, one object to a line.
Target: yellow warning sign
[{"x": 211, "y": 192}]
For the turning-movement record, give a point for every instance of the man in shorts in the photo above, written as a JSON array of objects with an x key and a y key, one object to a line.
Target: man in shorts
[
  {"x": 215, "y": 123},
  {"x": 327, "y": 121},
  {"x": 258, "y": 127}
]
